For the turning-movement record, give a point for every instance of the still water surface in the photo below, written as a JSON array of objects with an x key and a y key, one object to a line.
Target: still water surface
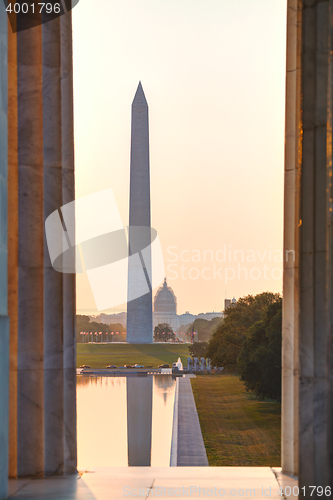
[{"x": 124, "y": 421}]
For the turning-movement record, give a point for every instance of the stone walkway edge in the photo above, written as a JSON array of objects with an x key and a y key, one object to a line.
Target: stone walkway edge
[{"x": 191, "y": 451}]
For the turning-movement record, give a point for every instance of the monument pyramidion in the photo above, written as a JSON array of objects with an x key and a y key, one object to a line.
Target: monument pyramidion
[{"x": 139, "y": 299}]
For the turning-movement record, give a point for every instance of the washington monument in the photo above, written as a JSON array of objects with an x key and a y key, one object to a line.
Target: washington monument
[{"x": 139, "y": 299}]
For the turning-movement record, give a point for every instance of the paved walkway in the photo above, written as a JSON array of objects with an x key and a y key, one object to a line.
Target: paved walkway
[
  {"x": 149, "y": 482},
  {"x": 190, "y": 448}
]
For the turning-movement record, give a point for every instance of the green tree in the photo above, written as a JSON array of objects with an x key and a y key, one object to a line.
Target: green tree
[
  {"x": 198, "y": 349},
  {"x": 226, "y": 342},
  {"x": 82, "y": 321},
  {"x": 163, "y": 332},
  {"x": 259, "y": 362}
]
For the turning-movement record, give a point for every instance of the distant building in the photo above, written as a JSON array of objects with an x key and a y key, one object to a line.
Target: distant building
[
  {"x": 165, "y": 306},
  {"x": 185, "y": 319},
  {"x": 165, "y": 311},
  {"x": 229, "y": 302}
]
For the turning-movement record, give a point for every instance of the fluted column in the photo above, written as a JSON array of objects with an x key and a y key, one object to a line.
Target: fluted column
[
  {"x": 53, "y": 280},
  {"x": 42, "y": 301},
  {"x": 289, "y": 434},
  {"x": 4, "y": 322},
  {"x": 308, "y": 285},
  {"x": 315, "y": 446},
  {"x": 30, "y": 375},
  {"x": 12, "y": 246},
  {"x": 69, "y": 291}
]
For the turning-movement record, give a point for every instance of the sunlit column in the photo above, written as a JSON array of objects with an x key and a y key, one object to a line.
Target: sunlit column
[
  {"x": 289, "y": 437},
  {"x": 41, "y": 300}
]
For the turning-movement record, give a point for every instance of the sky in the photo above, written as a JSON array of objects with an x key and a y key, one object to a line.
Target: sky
[{"x": 213, "y": 73}]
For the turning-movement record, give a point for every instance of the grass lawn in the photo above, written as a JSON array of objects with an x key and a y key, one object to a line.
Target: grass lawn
[
  {"x": 238, "y": 430},
  {"x": 101, "y": 355}
]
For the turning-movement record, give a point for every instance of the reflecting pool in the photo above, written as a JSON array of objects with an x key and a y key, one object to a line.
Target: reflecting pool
[{"x": 124, "y": 421}]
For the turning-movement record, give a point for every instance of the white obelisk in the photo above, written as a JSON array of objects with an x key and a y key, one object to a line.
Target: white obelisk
[{"x": 139, "y": 304}]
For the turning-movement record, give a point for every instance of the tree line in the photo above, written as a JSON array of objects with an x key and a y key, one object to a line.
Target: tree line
[
  {"x": 204, "y": 328},
  {"x": 83, "y": 324}
]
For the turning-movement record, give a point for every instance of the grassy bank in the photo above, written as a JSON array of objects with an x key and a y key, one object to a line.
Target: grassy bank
[
  {"x": 101, "y": 355},
  {"x": 238, "y": 430}
]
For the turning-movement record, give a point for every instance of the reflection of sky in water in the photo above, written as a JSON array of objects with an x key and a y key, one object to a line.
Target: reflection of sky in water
[
  {"x": 102, "y": 421},
  {"x": 163, "y": 400}
]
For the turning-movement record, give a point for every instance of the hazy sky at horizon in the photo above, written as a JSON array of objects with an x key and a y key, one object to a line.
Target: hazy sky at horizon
[{"x": 213, "y": 73}]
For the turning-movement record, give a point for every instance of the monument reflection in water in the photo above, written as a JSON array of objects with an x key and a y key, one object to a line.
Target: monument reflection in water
[
  {"x": 124, "y": 421},
  {"x": 139, "y": 420}
]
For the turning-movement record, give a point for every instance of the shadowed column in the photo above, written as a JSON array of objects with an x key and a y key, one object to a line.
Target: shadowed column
[
  {"x": 307, "y": 400},
  {"x": 41, "y": 300},
  {"x": 30, "y": 403},
  {"x": 53, "y": 281},
  {"x": 4, "y": 320}
]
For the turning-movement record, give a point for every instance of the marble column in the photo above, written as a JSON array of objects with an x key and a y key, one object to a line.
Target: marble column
[
  {"x": 315, "y": 445},
  {"x": 69, "y": 282},
  {"x": 308, "y": 284},
  {"x": 4, "y": 321},
  {"x": 41, "y": 300},
  {"x": 53, "y": 281},
  {"x": 30, "y": 283},
  {"x": 289, "y": 437},
  {"x": 12, "y": 246}
]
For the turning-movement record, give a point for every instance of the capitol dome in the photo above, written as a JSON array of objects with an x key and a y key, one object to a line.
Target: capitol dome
[{"x": 165, "y": 300}]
